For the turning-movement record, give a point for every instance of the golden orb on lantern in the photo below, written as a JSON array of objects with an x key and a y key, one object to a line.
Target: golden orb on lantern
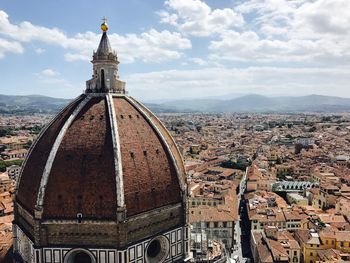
[{"x": 104, "y": 26}]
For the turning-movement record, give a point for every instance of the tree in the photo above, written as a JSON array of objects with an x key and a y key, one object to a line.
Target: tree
[
  {"x": 279, "y": 160},
  {"x": 27, "y": 144},
  {"x": 289, "y": 136},
  {"x": 5, "y": 164},
  {"x": 6, "y": 132},
  {"x": 312, "y": 129},
  {"x": 227, "y": 164},
  {"x": 36, "y": 129}
]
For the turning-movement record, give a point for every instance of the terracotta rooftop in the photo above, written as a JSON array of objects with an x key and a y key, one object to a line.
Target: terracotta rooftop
[
  {"x": 220, "y": 213},
  {"x": 5, "y": 247}
]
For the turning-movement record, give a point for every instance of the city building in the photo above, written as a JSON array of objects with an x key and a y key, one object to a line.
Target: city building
[
  {"x": 343, "y": 206},
  {"x": 259, "y": 179},
  {"x": 217, "y": 221},
  {"x": 265, "y": 209},
  {"x": 310, "y": 244},
  {"x": 294, "y": 198},
  {"x": 5, "y": 183},
  {"x": 273, "y": 245},
  {"x": 317, "y": 241}
]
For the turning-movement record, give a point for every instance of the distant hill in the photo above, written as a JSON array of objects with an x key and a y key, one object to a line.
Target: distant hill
[
  {"x": 249, "y": 103},
  {"x": 30, "y": 104},
  {"x": 259, "y": 103},
  {"x": 192, "y": 105},
  {"x": 158, "y": 108}
]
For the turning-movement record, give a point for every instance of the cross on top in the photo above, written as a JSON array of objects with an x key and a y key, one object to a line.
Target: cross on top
[{"x": 104, "y": 19}]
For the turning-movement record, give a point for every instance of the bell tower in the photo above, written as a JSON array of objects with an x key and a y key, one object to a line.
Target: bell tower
[{"x": 105, "y": 62}]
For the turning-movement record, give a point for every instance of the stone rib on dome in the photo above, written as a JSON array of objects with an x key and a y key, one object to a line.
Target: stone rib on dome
[
  {"x": 149, "y": 174},
  {"x": 33, "y": 167},
  {"x": 82, "y": 176}
]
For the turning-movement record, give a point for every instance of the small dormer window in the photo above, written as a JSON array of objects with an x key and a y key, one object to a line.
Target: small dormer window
[{"x": 80, "y": 217}]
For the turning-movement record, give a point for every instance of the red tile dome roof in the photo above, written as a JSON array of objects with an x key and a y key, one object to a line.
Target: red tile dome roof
[{"x": 101, "y": 152}]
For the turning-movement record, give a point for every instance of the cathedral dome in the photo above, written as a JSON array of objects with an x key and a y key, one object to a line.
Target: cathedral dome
[
  {"x": 105, "y": 172},
  {"x": 103, "y": 151}
]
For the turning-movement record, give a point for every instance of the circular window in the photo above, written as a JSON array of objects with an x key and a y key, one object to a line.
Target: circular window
[
  {"x": 157, "y": 250},
  {"x": 79, "y": 255},
  {"x": 153, "y": 248}
]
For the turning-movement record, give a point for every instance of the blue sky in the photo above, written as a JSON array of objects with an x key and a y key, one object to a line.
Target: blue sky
[{"x": 175, "y": 49}]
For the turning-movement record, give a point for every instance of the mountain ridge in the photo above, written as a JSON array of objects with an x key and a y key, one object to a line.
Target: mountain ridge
[{"x": 30, "y": 104}]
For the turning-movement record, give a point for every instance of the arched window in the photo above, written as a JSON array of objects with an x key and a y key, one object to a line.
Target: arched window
[{"x": 103, "y": 79}]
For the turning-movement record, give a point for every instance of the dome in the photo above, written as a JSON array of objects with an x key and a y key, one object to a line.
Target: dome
[
  {"x": 101, "y": 151},
  {"x": 105, "y": 172}
]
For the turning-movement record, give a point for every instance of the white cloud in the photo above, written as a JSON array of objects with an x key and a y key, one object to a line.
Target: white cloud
[
  {"x": 322, "y": 18},
  {"x": 267, "y": 31},
  {"x": 76, "y": 56},
  {"x": 26, "y": 32},
  {"x": 302, "y": 18},
  {"x": 168, "y": 18},
  {"x": 49, "y": 73},
  {"x": 150, "y": 46},
  {"x": 40, "y": 50},
  {"x": 52, "y": 77},
  {"x": 282, "y": 31},
  {"x": 220, "y": 81},
  {"x": 10, "y": 46},
  {"x": 233, "y": 46},
  {"x": 270, "y": 31},
  {"x": 198, "y": 61},
  {"x": 196, "y": 18}
]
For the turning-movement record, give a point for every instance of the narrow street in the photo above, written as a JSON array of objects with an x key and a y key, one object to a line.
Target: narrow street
[{"x": 242, "y": 234}]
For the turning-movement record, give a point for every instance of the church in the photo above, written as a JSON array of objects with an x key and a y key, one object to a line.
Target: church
[{"x": 104, "y": 182}]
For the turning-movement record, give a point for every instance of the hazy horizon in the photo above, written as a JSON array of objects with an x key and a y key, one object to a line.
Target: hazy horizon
[{"x": 229, "y": 96}]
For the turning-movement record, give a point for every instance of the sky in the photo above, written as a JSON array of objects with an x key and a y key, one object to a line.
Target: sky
[{"x": 176, "y": 49}]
